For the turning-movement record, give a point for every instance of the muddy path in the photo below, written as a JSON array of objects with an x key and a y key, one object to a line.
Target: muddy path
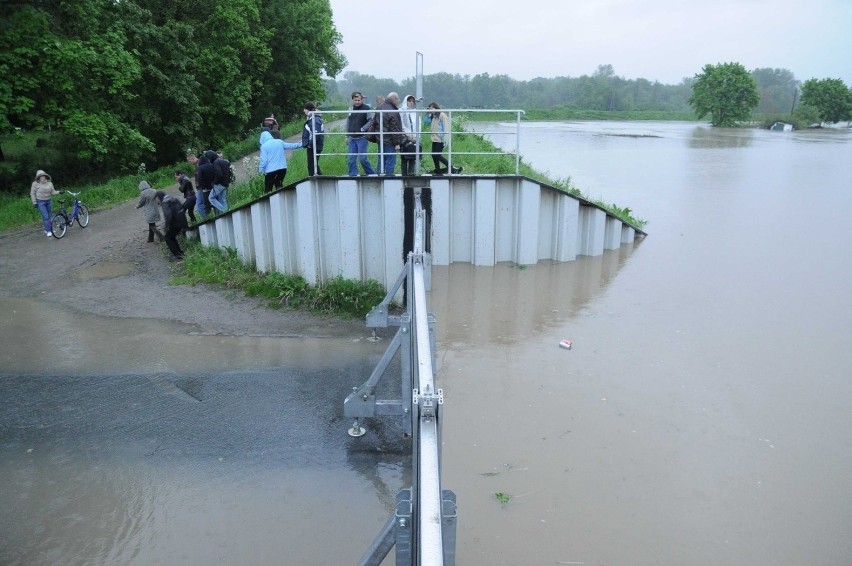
[{"x": 109, "y": 270}]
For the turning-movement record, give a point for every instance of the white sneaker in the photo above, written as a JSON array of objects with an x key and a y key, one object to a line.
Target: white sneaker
[{"x": 48, "y": 234}]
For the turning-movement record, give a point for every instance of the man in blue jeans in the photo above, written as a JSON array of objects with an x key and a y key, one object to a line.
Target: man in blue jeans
[
  {"x": 221, "y": 180},
  {"x": 356, "y": 124}
]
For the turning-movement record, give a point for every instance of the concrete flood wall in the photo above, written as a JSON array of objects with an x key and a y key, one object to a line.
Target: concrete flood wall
[{"x": 354, "y": 227}]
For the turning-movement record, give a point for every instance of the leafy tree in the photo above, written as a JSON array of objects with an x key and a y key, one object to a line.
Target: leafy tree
[
  {"x": 303, "y": 47},
  {"x": 725, "y": 91},
  {"x": 829, "y": 97}
]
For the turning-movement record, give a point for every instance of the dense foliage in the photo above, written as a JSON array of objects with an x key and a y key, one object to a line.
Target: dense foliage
[
  {"x": 143, "y": 80},
  {"x": 725, "y": 91},
  {"x": 830, "y": 99}
]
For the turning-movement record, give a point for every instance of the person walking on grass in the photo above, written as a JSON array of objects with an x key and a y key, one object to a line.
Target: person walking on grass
[
  {"x": 221, "y": 180},
  {"x": 188, "y": 192},
  {"x": 147, "y": 202},
  {"x": 175, "y": 222},
  {"x": 41, "y": 192}
]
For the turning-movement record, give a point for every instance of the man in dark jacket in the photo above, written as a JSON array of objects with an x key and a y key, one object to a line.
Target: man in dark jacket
[
  {"x": 391, "y": 133},
  {"x": 312, "y": 137},
  {"x": 221, "y": 180},
  {"x": 356, "y": 139},
  {"x": 204, "y": 175},
  {"x": 175, "y": 222}
]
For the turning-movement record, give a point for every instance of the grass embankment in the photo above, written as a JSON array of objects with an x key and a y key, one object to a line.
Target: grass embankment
[{"x": 222, "y": 267}]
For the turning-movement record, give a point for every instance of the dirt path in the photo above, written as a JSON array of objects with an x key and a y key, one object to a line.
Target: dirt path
[{"x": 109, "y": 269}]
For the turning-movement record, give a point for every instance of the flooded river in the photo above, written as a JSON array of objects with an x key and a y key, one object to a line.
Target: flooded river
[{"x": 701, "y": 417}]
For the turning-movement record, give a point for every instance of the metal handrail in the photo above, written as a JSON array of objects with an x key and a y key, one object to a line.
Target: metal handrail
[{"x": 420, "y": 132}]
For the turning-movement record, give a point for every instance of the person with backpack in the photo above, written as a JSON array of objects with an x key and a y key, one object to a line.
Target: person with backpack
[
  {"x": 221, "y": 181},
  {"x": 313, "y": 138},
  {"x": 175, "y": 222}
]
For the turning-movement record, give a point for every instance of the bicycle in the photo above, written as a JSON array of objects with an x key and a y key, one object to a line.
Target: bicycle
[{"x": 61, "y": 220}]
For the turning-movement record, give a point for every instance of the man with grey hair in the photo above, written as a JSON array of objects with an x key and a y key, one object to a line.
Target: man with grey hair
[{"x": 391, "y": 128}]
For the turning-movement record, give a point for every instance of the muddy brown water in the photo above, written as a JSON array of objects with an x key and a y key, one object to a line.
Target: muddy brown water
[{"x": 701, "y": 417}]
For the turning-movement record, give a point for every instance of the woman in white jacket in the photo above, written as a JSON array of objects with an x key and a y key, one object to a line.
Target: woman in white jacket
[{"x": 41, "y": 192}]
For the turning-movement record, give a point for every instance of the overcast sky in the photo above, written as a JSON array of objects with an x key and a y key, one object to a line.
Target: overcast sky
[{"x": 664, "y": 40}]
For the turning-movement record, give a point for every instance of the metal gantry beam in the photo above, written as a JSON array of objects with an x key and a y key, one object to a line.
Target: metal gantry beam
[{"x": 423, "y": 527}]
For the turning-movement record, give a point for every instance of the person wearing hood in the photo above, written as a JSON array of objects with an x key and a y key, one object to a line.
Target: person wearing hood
[
  {"x": 41, "y": 192},
  {"x": 152, "y": 212},
  {"x": 411, "y": 129},
  {"x": 205, "y": 173},
  {"x": 273, "y": 160},
  {"x": 312, "y": 137},
  {"x": 175, "y": 221}
]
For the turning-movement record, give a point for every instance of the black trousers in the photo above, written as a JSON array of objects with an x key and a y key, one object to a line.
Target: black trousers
[
  {"x": 189, "y": 207},
  {"x": 172, "y": 243},
  {"x": 438, "y": 158},
  {"x": 311, "y": 162},
  {"x": 274, "y": 180}
]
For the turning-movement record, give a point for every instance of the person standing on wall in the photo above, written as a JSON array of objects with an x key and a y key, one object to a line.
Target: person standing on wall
[
  {"x": 41, "y": 192},
  {"x": 439, "y": 126},
  {"x": 188, "y": 192},
  {"x": 410, "y": 127},
  {"x": 356, "y": 140},
  {"x": 391, "y": 133},
  {"x": 312, "y": 137}
]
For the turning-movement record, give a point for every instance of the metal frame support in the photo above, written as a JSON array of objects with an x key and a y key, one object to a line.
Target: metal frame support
[{"x": 423, "y": 527}]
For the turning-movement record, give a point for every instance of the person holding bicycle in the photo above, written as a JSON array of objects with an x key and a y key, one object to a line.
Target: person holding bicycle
[{"x": 41, "y": 192}]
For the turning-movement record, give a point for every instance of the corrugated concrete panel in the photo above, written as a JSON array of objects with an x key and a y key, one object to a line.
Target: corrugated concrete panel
[
  {"x": 612, "y": 233},
  {"x": 567, "y": 228},
  {"x": 485, "y": 222},
  {"x": 284, "y": 220},
  {"x": 243, "y": 239},
  {"x": 441, "y": 221},
  {"x": 261, "y": 224},
  {"x": 528, "y": 215},
  {"x": 354, "y": 227},
  {"x": 306, "y": 235},
  {"x": 506, "y": 220},
  {"x": 591, "y": 233}
]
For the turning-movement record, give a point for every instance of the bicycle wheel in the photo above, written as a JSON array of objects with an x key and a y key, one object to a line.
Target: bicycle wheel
[
  {"x": 83, "y": 216},
  {"x": 58, "y": 225}
]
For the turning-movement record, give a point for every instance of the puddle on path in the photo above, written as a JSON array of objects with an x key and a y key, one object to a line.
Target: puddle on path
[{"x": 104, "y": 271}]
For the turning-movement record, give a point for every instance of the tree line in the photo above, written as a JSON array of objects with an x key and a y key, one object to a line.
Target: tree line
[
  {"x": 603, "y": 90},
  {"x": 135, "y": 81}
]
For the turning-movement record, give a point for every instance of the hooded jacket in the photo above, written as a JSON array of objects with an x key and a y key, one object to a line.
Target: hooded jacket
[
  {"x": 272, "y": 157},
  {"x": 310, "y": 137},
  {"x": 146, "y": 200},
  {"x": 42, "y": 191},
  {"x": 172, "y": 211}
]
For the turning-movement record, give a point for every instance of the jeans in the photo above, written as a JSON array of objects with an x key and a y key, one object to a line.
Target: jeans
[
  {"x": 358, "y": 152},
  {"x": 44, "y": 207},
  {"x": 219, "y": 198},
  {"x": 388, "y": 160},
  {"x": 202, "y": 202}
]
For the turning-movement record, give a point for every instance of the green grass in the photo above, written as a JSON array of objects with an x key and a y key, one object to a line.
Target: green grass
[{"x": 222, "y": 267}]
